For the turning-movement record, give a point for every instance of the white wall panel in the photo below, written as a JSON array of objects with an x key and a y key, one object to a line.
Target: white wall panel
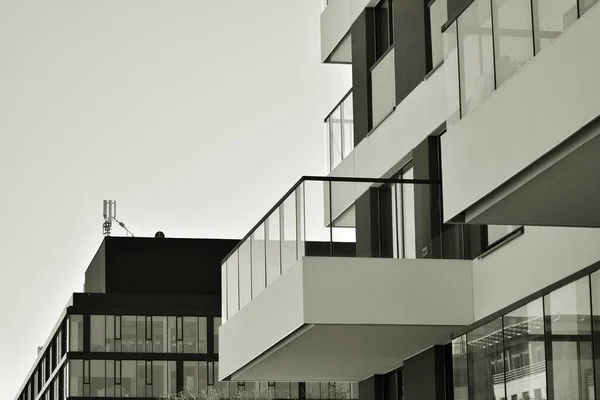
[
  {"x": 336, "y": 21},
  {"x": 532, "y": 261}
]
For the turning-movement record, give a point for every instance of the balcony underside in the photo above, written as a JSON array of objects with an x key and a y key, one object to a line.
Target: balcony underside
[
  {"x": 324, "y": 352},
  {"x": 343, "y": 319},
  {"x": 561, "y": 189}
]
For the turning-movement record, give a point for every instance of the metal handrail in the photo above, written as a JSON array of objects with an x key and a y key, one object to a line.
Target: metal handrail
[
  {"x": 380, "y": 181},
  {"x": 348, "y": 93}
]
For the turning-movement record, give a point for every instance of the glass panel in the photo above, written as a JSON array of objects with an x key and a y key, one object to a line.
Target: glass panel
[
  {"x": 97, "y": 378},
  {"x": 98, "y": 334},
  {"x": 217, "y": 324},
  {"x": 282, "y": 390},
  {"x": 438, "y": 15},
  {"x": 202, "y": 375},
  {"x": 75, "y": 378},
  {"x": 497, "y": 232},
  {"x": 348, "y": 125},
  {"x": 76, "y": 333},
  {"x": 128, "y": 333},
  {"x": 343, "y": 211},
  {"x": 172, "y": 376},
  {"x": 408, "y": 217},
  {"x": 258, "y": 261},
  {"x": 172, "y": 334},
  {"x": 313, "y": 390},
  {"x": 550, "y": 19},
  {"x": 141, "y": 334},
  {"x": 190, "y": 376},
  {"x": 382, "y": 28},
  {"x": 232, "y": 285},
  {"x": 476, "y": 55},
  {"x": 128, "y": 378},
  {"x": 460, "y": 377},
  {"x": 595, "y": 283},
  {"x": 524, "y": 352},
  {"x": 224, "y": 294},
  {"x": 513, "y": 36},
  {"x": 335, "y": 130},
  {"x": 141, "y": 378},
  {"x": 486, "y": 362},
  {"x": 159, "y": 334},
  {"x": 328, "y": 150},
  {"x": 585, "y": 5},
  {"x": 190, "y": 334},
  {"x": 159, "y": 378},
  {"x": 202, "y": 335},
  {"x": 569, "y": 347},
  {"x": 245, "y": 271},
  {"x": 317, "y": 233},
  {"x": 110, "y": 333},
  {"x": 110, "y": 378},
  {"x": 288, "y": 232},
  {"x": 273, "y": 247},
  {"x": 383, "y": 88},
  {"x": 451, "y": 68}
]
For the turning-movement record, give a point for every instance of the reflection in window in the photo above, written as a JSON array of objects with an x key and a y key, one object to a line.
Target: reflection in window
[
  {"x": 475, "y": 54},
  {"x": 524, "y": 350},
  {"x": 141, "y": 378},
  {"x": 141, "y": 334},
  {"x": 202, "y": 336},
  {"x": 569, "y": 351},
  {"x": 128, "y": 380},
  {"x": 190, "y": 334},
  {"x": 190, "y": 376},
  {"x": 451, "y": 68},
  {"x": 110, "y": 378},
  {"x": 75, "y": 378},
  {"x": 383, "y": 27},
  {"x": 550, "y": 19},
  {"x": 217, "y": 324},
  {"x": 513, "y": 36},
  {"x": 128, "y": 333},
  {"x": 459, "y": 368},
  {"x": 160, "y": 376},
  {"x": 486, "y": 362},
  {"x": 76, "y": 333},
  {"x": 438, "y": 15},
  {"x": 110, "y": 333},
  {"x": 97, "y": 378},
  {"x": 159, "y": 334},
  {"x": 98, "y": 333},
  {"x": 172, "y": 334}
]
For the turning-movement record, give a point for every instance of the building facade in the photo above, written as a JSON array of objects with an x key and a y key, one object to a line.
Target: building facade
[
  {"x": 457, "y": 224},
  {"x": 146, "y": 326}
]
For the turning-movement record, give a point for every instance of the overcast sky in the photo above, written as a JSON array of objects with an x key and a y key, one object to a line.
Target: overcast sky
[{"x": 195, "y": 115}]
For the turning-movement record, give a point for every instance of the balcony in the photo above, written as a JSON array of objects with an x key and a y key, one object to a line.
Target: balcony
[
  {"x": 305, "y": 297},
  {"x": 339, "y": 131},
  {"x": 336, "y": 20},
  {"x": 523, "y": 101}
]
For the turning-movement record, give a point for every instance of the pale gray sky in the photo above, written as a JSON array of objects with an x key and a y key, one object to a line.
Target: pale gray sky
[{"x": 195, "y": 115}]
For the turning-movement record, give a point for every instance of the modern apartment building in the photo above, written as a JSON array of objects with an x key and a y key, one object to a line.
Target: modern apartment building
[
  {"x": 452, "y": 251},
  {"x": 146, "y": 325}
]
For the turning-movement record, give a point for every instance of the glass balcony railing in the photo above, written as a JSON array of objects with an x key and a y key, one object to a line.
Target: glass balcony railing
[
  {"x": 339, "y": 131},
  {"x": 491, "y": 40},
  {"x": 328, "y": 217}
]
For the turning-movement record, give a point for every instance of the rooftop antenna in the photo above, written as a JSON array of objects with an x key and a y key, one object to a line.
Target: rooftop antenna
[{"x": 109, "y": 208}]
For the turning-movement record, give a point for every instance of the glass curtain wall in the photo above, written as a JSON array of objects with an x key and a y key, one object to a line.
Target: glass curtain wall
[{"x": 547, "y": 349}]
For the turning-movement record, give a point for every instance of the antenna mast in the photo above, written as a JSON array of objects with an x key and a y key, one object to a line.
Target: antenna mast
[{"x": 109, "y": 208}]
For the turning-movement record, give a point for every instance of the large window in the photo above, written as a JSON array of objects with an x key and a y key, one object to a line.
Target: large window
[
  {"x": 76, "y": 333},
  {"x": 128, "y": 333},
  {"x": 98, "y": 333},
  {"x": 476, "y": 58},
  {"x": 159, "y": 334},
  {"x": 75, "y": 378},
  {"x": 384, "y": 27},
  {"x": 459, "y": 368},
  {"x": 438, "y": 15},
  {"x": 217, "y": 324},
  {"x": 550, "y": 19},
  {"x": 569, "y": 345},
  {"x": 513, "y": 36},
  {"x": 486, "y": 362}
]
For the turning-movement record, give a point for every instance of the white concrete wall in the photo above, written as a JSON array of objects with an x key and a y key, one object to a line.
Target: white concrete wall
[
  {"x": 336, "y": 21},
  {"x": 268, "y": 318},
  {"x": 531, "y": 113},
  {"x": 387, "y": 291},
  {"x": 415, "y": 118},
  {"x": 532, "y": 261}
]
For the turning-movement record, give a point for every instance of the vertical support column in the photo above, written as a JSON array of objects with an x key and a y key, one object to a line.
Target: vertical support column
[
  {"x": 367, "y": 224},
  {"x": 363, "y": 57},
  {"x": 424, "y": 375},
  {"x": 179, "y": 374},
  {"x": 371, "y": 388}
]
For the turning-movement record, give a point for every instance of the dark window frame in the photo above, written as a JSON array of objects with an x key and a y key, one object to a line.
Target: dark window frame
[{"x": 381, "y": 52}]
